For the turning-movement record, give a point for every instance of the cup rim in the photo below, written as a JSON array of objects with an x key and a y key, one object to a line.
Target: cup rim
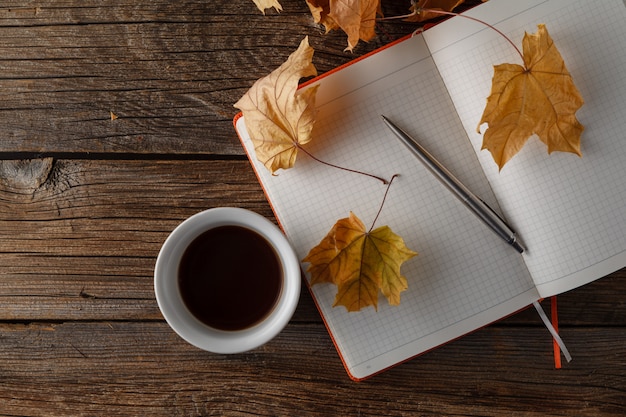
[{"x": 178, "y": 316}]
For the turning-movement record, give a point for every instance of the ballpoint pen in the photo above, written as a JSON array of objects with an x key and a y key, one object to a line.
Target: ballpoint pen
[{"x": 475, "y": 204}]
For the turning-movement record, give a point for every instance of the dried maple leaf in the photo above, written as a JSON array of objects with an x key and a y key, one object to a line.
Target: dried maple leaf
[
  {"x": 320, "y": 10},
  {"x": 360, "y": 263},
  {"x": 357, "y": 18},
  {"x": 537, "y": 98},
  {"x": 266, "y": 4},
  {"x": 278, "y": 117},
  {"x": 431, "y": 6}
]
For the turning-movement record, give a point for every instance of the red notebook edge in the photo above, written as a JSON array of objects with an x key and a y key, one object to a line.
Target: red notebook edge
[{"x": 353, "y": 377}]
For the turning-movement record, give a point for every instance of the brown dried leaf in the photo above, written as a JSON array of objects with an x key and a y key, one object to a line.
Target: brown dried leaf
[
  {"x": 357, "y": 18},
  {"x": 537, "y": 98},
  {"x": 320, "y": 10},
  {"x": 422, "y": 15}
]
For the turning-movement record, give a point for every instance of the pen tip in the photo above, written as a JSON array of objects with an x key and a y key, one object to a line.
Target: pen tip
[{"x": 518, "y": 246}]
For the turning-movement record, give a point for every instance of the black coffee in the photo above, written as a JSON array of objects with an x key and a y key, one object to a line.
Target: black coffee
[{"x": 230, "y": 277}]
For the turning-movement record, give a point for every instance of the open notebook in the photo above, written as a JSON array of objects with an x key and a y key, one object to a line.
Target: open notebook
[{"x": 570, "y": 212}]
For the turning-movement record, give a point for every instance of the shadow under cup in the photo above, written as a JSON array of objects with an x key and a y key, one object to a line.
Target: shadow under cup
[{"x": 227, "y": 280}]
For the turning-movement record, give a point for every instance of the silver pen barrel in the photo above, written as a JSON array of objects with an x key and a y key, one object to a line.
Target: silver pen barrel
[{"x": 471, "y": 201}]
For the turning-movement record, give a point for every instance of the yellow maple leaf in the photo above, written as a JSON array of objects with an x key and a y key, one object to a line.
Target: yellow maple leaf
[
  {"x": 432, "y": 6},
  {"x": 278, "y": 117},
  {"x": 360, "y": 263},
  {"x": 266, "y": 4},
  {"x": 537, "y": 98},
  {"x": 357, "y": 18}
]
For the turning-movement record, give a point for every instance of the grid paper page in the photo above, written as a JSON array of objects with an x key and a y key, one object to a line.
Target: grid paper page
[
  {"x": 570, "y": 211},
  {"x": 464, "y": 276}
]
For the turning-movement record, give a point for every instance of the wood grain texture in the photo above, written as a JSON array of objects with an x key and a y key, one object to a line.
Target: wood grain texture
[
  {"x": 86, "y": 201},
  {"x": 118, "y": 369},
  {"x": 80, "y": 237},
  {"x": 170, "y": 71}
]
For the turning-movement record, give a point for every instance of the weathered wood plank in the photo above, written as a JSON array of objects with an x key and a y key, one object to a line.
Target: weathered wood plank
[
  {"x": 80, "y": 331},
  {"x": 94, "y": 194},
  {"x": 79, "y": 238},
  {"x": 98, "y": 296},
  {"x": 170, "y": 71},
  {"x": 123, "y": 368}
]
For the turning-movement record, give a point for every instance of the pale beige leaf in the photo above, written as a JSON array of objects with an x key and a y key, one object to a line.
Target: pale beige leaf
[
  {"x": 266, "y": 4},
  {"x": 278, "y": 116}
]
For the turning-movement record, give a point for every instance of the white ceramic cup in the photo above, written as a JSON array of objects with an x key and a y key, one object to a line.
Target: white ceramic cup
[{"x": 176, "y": 313}]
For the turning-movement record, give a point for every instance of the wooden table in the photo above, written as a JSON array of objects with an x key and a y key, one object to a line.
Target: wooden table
[{"x": 116, "y": 125}]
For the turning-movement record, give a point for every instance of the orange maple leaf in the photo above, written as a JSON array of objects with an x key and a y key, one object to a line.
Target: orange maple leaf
[
  {"x": 360, "y": 263},
  {"x": 537, "y": 98},
  {"x": 357, "y": 18},
  {"x": 278, "y": 116}
]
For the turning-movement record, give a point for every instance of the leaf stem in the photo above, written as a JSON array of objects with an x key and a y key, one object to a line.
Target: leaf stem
[
  {"x": 383, "y": 202},
  {"x": 479, "y": 21},
  {"x": 384, "y": 181},
  {"x": 436, "y": 11},
  {"x": 404, "y": 16}
]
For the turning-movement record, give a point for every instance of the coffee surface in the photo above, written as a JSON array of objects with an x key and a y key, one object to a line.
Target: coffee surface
[{"x": 230, "y": 277}]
